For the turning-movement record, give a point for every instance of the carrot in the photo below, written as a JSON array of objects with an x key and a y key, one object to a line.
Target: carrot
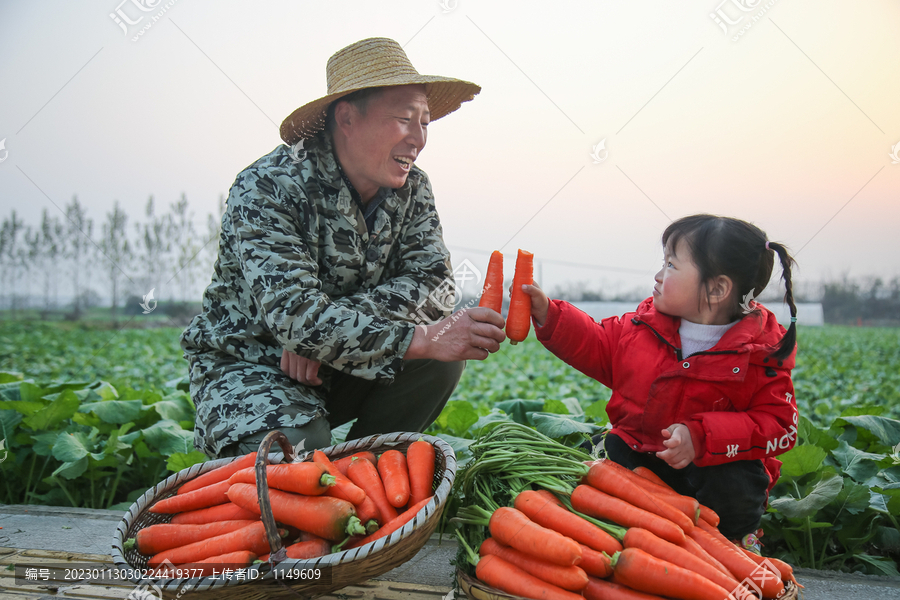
[
  {"x": 600, "y": 589},
  {"x": 509, "y": 578},
  {"x": 392, "y": 526},
  {"x": 365, "y": 475},
  {"x": 518, "y": 319},
  {"x": 736, "y": 562},
  {"x": 221, "y": 512},
  {"x": 492, "y": 294},
  {"x": 551, "y": 497},
  {"x": 395, "y": 476},
  {"x": 343, "y": 463},
  {"x": 343, "y": 488},
  {"x": 667, "y": 551},
  {"x": 694, "y": 548},
  {"x": 650, "y": 476},
  {"x": 610, "y": 479},
  {"x": 786, "y": 570},
  {"x": 162, "y": 536},
  {"x": 595, "y": 563},
  {"x": 569, "y": 578},
  {"x": 252, "y": 538},
  {"x": 512, "y": 528},
  {"x": 324, "y": 516},
  {"x": 217, "y": 475},
  {"x": 210, "y": 495},
  {"x": 307, "y": 478},
  {"x": 420, "y": 462},
  {"x": 709, "y": 515},
  {"x": 546, "y": 513},
  {"x": 686, "y": 504},
  {"x": 367, "y": 511},
  {"x": 307, "y": 549},
  {"x": 595, "y": 503},
  {"x": 214, "y": 565},
  {"x": 644, "y": 572}
]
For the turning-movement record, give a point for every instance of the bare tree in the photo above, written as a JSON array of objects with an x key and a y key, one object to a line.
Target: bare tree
[
  {"x": 117, "y": 251},
  {"x": 52, "y": 245},
  {"x": 183, "y": 234},
  {"x": 12, "y": 256},
  {"x": 153, "y": 248},
  {"x": 79, "y": 246}
]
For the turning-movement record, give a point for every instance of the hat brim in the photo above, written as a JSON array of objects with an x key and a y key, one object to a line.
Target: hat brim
[{"x": 445, "y": 95}]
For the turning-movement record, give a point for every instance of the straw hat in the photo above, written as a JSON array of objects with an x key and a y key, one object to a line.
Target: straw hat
[{"x": 374, "y": 62}]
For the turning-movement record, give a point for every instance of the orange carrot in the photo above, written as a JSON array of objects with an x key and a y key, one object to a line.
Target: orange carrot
[
  {"x": 548, "y": 514},
  {"x": 609, "y": 479},
  {"x": 644, "y": 572},
  {"x": 694, "y": 548},
  {"x": 210, "y": 495},
  {"x": 162, "y": 536},
  {"x": 595, "y": 563},
  {"x": 252, "y": 538},
  {"x": 709, "y": 515},
  {"x": 214, "y": 565},
  {"x": 392, "y": 526},
  {"x": 569, "y": 578},
  {"x": 601, "y": 589},
  {"x": 367, "y": 511},
  {"x": 420, "y": 462},
  {"x": 343, "y": 488},
  {"x": 509, "y": 578},
  {"x": 324, "y": 516},
  {"x": 303, "y": 550},
  {"x": 667, "y": 551},
  {"x": 650, "y": 476},
  {"x": 518, "y": 319},
  {"x": 217, "y": 475},
  {"x": 786, "y": 570},
  {"x": 512, "y": 528},
  {"x": 307, "y": 478},
  {"x": 736, "y": 561},
  {"x": 395, "y": 476},
  {"x": 492, "y": 294},
  {"x": 552, "y": 498},
  {"x": 595, "y": 503},
  {"x": 343, "y": 463},
  {"x": 221, "y": 512},
  {"x": 365, "y": 476},
  {"x": 686, "y": 504}
]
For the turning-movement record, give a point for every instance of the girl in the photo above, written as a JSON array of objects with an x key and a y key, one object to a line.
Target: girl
[{"x": 700, "y": 373}]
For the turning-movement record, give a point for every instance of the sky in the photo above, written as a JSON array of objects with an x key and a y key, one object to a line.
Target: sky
[{"x": 783, "y": 113}]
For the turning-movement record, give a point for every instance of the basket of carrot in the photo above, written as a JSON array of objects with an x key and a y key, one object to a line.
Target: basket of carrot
[
  {"x": 545, "y": 521},
  {"x": 269, "y": 525}
]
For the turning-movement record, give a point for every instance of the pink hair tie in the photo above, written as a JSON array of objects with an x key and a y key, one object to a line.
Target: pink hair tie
[{"x": 767, "y": 246}]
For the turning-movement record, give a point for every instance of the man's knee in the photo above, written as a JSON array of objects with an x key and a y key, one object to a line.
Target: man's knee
[{"x": 315, "y": 434}]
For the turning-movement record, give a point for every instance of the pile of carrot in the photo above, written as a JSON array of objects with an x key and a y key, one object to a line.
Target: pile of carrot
[
  {"x": 320, "y": 507},
  {"x": 616, "y": 534}
]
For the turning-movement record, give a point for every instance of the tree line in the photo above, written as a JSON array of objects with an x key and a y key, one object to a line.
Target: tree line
[{"x": 69, "y": 263}]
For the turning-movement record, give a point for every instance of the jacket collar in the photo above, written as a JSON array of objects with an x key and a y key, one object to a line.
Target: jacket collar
[{"x": 757, "y": 333}]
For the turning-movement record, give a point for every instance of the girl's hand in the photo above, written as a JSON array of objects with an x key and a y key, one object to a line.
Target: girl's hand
[
  {"x": 680, "y": 450},
  {"x": 539, "y": 303}
]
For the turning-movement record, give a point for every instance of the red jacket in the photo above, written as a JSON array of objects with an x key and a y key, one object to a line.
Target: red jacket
[{"x": 737, "y": 402}]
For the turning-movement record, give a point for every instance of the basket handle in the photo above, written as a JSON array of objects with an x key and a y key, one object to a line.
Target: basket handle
[{"x": 278, "y": 553}]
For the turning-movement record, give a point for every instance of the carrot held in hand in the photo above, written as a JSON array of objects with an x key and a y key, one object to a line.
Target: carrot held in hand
[
  {"x": 570, "y": 578},
  {"x": 365, "y": 475},
  {"x": 307, "y": 478},
  {"x": 518, "y": 319},
  {"x": 220, "y": 474},
  {"x": 420, "y": 462},
  {"x": 492, "y": 294},
  {"x": 210, "y": 495},
  {"x": 644, "y": 572},
  {"x": 395, "y": 476}
]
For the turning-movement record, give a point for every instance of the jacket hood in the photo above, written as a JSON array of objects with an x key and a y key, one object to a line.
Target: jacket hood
[{"x": 757, "y": 333}]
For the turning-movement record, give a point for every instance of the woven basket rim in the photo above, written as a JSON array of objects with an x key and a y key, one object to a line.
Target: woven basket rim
[{"x": 344, "y": 558}]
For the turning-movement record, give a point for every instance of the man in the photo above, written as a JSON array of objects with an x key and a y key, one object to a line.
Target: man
[{"x": 322, "y": 305}]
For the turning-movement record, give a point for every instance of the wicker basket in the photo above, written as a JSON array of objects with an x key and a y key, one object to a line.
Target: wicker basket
[
  {"x": 348, "y": 567},
  {"x": 476, "y": 590}
]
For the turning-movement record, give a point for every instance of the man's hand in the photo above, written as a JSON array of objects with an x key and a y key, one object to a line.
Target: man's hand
[
  {"x": 304, "y": 370},
  {"x": 539, "y": 303},
  {"x": 680, "y": 450},
  {"x": 467, "y": 334}
]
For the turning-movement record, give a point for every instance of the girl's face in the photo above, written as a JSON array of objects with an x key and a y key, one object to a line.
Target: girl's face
[{"x": 677, "y": 289}]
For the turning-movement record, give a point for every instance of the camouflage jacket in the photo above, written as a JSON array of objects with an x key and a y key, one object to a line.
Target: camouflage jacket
[{"x": 297, "y": 268}]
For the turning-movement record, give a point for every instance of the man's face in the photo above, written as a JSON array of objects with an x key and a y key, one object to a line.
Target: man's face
[{"x": 383, "y": 143}]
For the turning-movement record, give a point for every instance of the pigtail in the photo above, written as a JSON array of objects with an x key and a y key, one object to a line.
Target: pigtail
[{"x": 787, "y": 343}]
